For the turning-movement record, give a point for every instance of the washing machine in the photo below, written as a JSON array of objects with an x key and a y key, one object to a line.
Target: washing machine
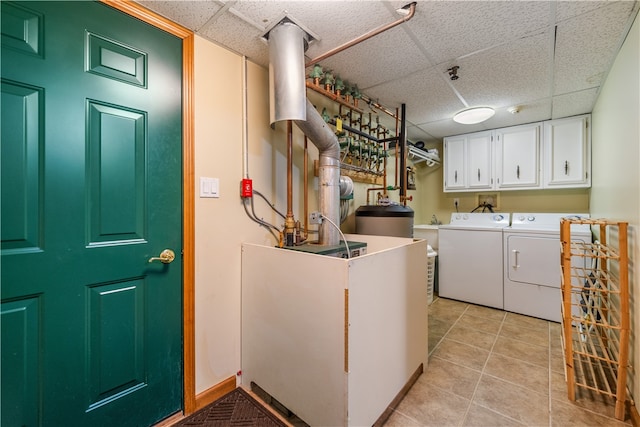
[
  {"x": 470, "y": 258},
  {"x": 532, "y": 273}
]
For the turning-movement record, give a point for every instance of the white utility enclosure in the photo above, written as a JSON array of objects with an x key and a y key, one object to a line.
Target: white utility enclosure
[{"x": 335, "y": 340}]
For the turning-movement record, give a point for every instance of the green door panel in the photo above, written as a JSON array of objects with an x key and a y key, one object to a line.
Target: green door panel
[
  {"x": 20, "y": 167},
  {"x": 91, "y": 187},
  {"x": 21, "y": 361},
  {"x": 116, "y": 174}
]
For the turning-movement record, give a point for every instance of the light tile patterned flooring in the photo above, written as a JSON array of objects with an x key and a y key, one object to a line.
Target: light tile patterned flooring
[{"x": 488, "y": 367}]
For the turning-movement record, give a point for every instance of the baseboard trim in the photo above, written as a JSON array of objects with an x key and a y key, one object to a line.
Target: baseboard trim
[
  {"x": 173, "y": 419},
  {"x": 212, "y": 394}
]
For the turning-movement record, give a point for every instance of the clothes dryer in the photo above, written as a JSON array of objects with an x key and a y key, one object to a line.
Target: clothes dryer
[
  {"x": 532, "y": 273},
  {"x": 470, "y": 261}
]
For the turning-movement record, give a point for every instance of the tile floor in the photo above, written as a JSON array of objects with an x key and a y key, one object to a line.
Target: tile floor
[{"x": 488, "y": 367}]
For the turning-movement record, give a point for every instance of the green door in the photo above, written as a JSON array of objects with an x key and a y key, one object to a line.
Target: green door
[{"x": 91, "y": 143}]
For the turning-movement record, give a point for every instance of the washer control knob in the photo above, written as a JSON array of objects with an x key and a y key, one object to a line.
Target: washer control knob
[
  {"x": 465, "y": 216},
  {"x": 498, "y": 217},
  {"x": 531, "y": 218}
]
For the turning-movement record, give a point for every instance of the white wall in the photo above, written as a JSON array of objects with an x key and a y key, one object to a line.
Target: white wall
[
  {"x": 615, "y": 192},
  {"x": 218, "y": 145}
]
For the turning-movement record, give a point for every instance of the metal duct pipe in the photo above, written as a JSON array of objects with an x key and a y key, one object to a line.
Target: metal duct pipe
[
  {"x": 323, "y": 137},
  {"x": 288, "y": 101},
  {"x": 287, "y": 82}
]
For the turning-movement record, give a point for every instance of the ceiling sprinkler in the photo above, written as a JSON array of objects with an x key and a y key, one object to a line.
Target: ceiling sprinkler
[{"x": 453, "y": 72}]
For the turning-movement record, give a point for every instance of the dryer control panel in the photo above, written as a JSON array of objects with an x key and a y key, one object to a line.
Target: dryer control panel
[{"x": 543, "y": 221}]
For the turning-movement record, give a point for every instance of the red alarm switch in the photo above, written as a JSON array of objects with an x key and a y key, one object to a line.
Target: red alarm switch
[{"x": 246, "y": 189}]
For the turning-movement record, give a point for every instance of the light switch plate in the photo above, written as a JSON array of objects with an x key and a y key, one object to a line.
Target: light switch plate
[{"x": 209, "y": 187}]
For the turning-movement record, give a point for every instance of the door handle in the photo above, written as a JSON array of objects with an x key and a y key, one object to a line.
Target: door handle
[
  {"x": 166, "y": 257},
  {"x": 516, "y": 259}
]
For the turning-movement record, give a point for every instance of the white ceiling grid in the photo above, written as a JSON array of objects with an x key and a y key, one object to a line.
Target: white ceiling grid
[{"x": 548, "y": 57}]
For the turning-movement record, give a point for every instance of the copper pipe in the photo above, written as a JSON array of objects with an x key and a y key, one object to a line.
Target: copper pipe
[
  {"x": 289, "y": 168},
  {"x": 289, "y": 222},
  {"x": 378, "y": 106},
  {"x": 372, "y": 33},
  {"x": 331, "y": 96},
  {"x": 306, "y": 190}
]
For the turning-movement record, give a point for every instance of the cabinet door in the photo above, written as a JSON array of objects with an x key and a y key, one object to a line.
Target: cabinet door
[
  {"x": 518, "y": 157},
  {"x": 454, "y": 163},
  {"x": 567, "y": 152},
  {"x": 479, "y": 155}
]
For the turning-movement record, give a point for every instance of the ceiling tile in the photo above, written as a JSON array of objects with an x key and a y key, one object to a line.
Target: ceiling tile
[
  {"x": 452, "y": 29},
  {"x": 426, "y": 94},
  {"x": 587, "y": 45},
  {"x": 443, "y": 128},
  {"x": 386, "y": 57},
  {"x": 507, "y": 74},
  {"x": 239, "y": 36},
  {"x": 528, "y": 113},
  {"x": 334, "y": 22},
  {"x": 574, "y": 103},
  {"x": 571, "y": 9},
  {"x": 190, "y": 14},
  {"x": 415, "y": 134}
]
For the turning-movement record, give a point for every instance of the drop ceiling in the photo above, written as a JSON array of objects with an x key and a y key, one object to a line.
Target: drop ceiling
[{"x": 548, "y": 58}]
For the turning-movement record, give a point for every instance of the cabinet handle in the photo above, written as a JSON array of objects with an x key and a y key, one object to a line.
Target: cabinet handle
[
  {"x": 455, "y": 176},
  {"x": 518, "y": 171},
  {"x": 566, "y": 167},
  {"x": 478, "y": 174}
]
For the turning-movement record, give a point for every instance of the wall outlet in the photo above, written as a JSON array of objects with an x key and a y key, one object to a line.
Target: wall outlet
[
  {"x": 315, "y": 218},
  {"x": 456, "y": 202},
  {"x": 492, "y": 199}
]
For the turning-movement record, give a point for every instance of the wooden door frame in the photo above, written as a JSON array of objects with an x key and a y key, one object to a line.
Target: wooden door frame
[{"x": 188, "y": 188}]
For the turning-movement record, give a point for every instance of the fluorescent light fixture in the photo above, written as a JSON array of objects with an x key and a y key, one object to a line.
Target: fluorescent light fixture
[{"x": 473, "y": 115}]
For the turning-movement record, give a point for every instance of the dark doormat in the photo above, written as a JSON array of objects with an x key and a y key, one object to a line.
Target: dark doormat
[{"x": 236, "y": 408}]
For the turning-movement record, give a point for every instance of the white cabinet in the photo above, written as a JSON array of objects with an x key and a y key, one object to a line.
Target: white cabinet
[
  {"x": 479, "y": 155},
  {"x": 468, "y": 162},
  {"x": 337, "y": 347},
  {"x": 518, "y": 157},
  {"x": 567, "y": 153},
  {"x": 455, "y": 163},
  {"x": 550, "y": 154}
]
